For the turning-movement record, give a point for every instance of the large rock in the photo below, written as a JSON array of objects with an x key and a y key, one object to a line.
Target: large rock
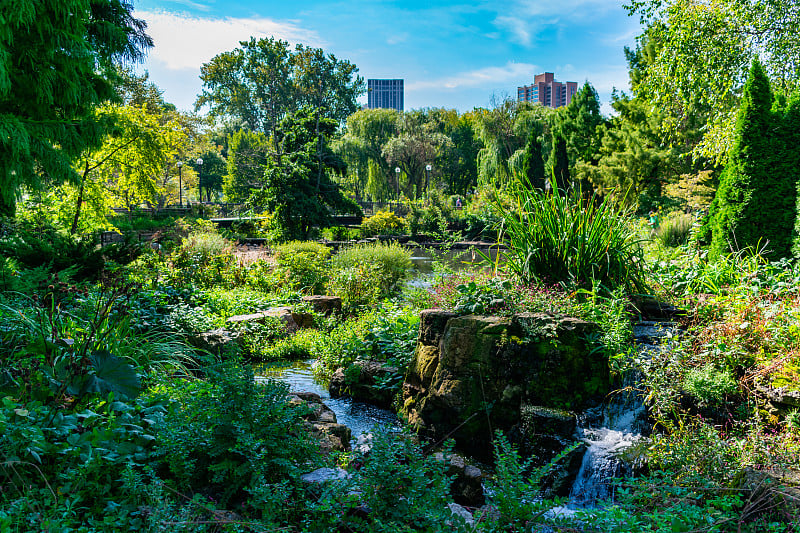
[
  {"x": 291, "y": 321},
  {"x": 321, "y": 422},
  {"x": 326, "y": 305},
  {"x": 471, "y": 375},
  {"x": 217, "y": 341},
  {"x": 367, "y": 381},
  {"x": 467, "y": 486}
]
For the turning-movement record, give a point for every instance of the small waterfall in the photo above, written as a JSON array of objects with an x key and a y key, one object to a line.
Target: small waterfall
[{"x": 613, "y": 428}]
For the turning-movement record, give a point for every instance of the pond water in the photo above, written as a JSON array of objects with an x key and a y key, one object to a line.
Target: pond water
[
  {"x": 360, "y": 417},
  {"x": 423, "y": 258}
]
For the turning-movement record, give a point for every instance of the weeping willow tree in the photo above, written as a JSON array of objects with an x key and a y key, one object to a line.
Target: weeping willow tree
[{"x": 504, "y": 132}]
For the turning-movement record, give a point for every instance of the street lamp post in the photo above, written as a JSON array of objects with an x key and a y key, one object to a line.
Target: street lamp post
[
  {"x": 397, "y": 175},
  {"x": 180, "y": 184},
  {"x": 428, "y": 169},
  {"x": 200, "y": 178}
]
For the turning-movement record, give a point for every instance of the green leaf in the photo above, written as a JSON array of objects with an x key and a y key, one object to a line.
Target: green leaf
[{"x": 111, "y": 374}]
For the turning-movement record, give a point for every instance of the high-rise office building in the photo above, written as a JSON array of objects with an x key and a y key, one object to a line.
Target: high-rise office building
[
  {"x": 547, "y": 91},
  {"x": 385, "y": 94}
]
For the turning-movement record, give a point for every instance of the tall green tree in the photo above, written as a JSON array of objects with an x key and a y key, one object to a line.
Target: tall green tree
[
  {"x": 292, "y": 190},
  {"x": 253, "y": 83},
  {"x": 58, "y": 61},
  {"x": 559, "y": 161},
  {"x": 503, "y": 131},
  {"x": 366, "y": 134},
  {"x": 248, "y": 156},
  {"x": 533, "y": 163},
  {"x": 755, "y": 202},
  {"x": 702, "y": 53}
]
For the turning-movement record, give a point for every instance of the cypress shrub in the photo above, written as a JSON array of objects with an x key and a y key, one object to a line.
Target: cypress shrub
[
  {"x": 755, "y": 203},
  {"x": 791, "y": 134},
  {"x": 560, "y": 162},
  {"x": 533, "y": 164}
]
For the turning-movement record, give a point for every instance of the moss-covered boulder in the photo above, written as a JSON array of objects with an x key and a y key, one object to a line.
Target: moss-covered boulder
[{"x": 471, "y": 375}]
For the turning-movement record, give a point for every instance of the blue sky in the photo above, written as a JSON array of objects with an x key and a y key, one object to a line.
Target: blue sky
[{"x": 451, "y": 54}]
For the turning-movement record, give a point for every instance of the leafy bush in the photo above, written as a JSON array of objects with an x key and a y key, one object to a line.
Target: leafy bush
[
  {"x": 674, "y": 230},
  {"x": 565, "y": 238},
  {"x": 404, "y": 490},
  {"x": 43, "y": 245},
  {"x": 710, "y": 385},
  {"x": 383, "y": 223},
  {"x": 428, "y": 221},
  {"x": 185, "y": 318},
  {"x": 204, "y": 258},
  {"x": 62, "y": 467},
  {"x": 303, "y": 265},
  {"x": 364, "y": 273},
  {"x": 230, "y": 436}
]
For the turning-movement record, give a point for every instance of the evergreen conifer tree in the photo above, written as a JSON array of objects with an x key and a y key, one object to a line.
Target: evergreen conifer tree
[
  {"x": 58, "y": 61},
  {"x": 755, "y": 202},
  {"x": 560, "y": 162},
  {"x": 533, "y": 164}
]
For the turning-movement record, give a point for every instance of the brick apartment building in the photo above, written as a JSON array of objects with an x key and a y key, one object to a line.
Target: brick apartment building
[{"x": 547, "y": 91}]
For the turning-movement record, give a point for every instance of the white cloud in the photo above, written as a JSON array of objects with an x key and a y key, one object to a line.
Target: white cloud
[
  {"x": 186, "y": 42},
  {"x": 519, "y": 29},
  {"x": 510, "y": 72},
  {"x": 571, "y": 8}
]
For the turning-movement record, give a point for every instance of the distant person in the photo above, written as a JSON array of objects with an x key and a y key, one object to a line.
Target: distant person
[
  {"x": 653, "y": 220},
  {"x": 458, "y": 203}
]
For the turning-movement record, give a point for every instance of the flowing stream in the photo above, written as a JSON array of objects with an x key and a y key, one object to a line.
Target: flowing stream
[
  {"x": 360, "y": 417},
  {"x": 613, "y": 429}
]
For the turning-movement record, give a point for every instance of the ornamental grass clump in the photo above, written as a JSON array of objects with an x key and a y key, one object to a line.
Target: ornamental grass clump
[
  {"x": 563, "y": 237},
  {"x": 373, "y": 270}
]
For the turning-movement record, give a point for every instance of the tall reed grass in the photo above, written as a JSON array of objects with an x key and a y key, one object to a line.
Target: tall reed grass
[{"x": 563, "y": 237}]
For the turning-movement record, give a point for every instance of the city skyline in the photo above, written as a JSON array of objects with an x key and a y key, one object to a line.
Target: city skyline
[{"x": 450, "y": 54}]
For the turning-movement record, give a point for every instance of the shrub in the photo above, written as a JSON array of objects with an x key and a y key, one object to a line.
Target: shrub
[
  {"x": 383, "y": 223},
  {"x": 229, "y": 436},
  {"x": 428, "y": 221},
  {"x": 204, "y": 258},
  {"x": 303, "y": 265},
  {"x": 404, "y": 490},
  {"x": 565, "y": 238},
  {"x": 710, "y": 385},
  {"x": 756, "y": 200},
  {"x": 674, "y": 230},
  {"x": 374, "y": 265}
]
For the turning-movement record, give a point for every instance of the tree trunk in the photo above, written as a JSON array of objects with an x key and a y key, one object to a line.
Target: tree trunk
[{"x": 74, "y": 228}]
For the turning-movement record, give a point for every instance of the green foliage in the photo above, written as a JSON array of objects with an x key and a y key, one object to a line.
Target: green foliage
[
  {"x": 247, "y": 155},
  {"x": 559, "y": 163},
  {"x": 34, "y": 245},
  {"x": 515, "y": 491},
  {"x": 675, "y": 228},
  {"x": 265, "y": 80},
  {"x": 57, "y": 64},
  {"x": 298, "y": 186},
  {"x": 383, "y": 223},
  {"x": 698, "y": 57},
  {"x": 204, "y": 258},
  {"x": 710, "y": 385},
  {"x": 304, "y": 266},
  {"x": 533, "y": 164},
  {"x": 229, "y": 435},
  {"x": 382, "y": 266},
  {"x": 61, "y": 468},
  {"x": 387, "y": 334},
  {"x": 755, "y": 206},
  {"x": 427, "y": 221},
  {"x": 561, "y": 237},
  {"x": 404, "y": 490}
]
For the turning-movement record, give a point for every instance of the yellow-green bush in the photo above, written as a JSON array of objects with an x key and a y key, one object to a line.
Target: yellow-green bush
[{"x": 383, "y": 223}]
